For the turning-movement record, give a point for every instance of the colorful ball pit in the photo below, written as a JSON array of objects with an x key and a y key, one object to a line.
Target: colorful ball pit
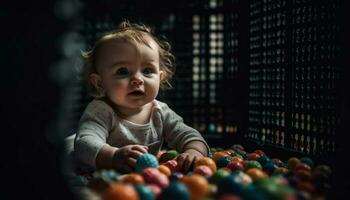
[{"x": 233, "y": 174}]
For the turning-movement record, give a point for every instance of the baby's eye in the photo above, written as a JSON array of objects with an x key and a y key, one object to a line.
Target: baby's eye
[
  {"x": 122, "y": 71},
  {"x": 147, "y": 71}
]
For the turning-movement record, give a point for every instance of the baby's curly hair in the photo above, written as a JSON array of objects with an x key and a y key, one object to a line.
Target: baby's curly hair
[{"x": 135, "y": 34}]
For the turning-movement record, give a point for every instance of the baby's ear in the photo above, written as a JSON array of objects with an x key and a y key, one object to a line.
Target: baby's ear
[
  {"x": 162, "y": 74},
  {"x": 96, "y": 81}
]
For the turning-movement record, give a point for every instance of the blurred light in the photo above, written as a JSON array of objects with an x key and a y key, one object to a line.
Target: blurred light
[
  {"x": 66, "y": 9},
  {"x": 72, "y": 43}
]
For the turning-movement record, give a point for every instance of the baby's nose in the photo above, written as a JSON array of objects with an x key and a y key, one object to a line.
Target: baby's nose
[{"x": 136, "y": 79}]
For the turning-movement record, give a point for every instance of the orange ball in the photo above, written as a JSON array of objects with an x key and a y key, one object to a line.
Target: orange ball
[
  {"x": 133, "y": 178},
  {"x": 293, "y": 162},
  {"x": 281, "y": 170},
  {"x": 197, "y": 185},
  {"x": 206, "y": 161},
  {"x": 236, "y": 158},
  {"x": 256, "y": 173},
  {"x": 165, "y": 170},
  {"x": 120, "y": 191},
  {"x": 216, "y": 156}
]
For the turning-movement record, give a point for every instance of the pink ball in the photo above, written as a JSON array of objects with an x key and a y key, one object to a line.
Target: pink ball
[
  {"x": 154, "y": 176},
  {"x": 172, "y": 165},
  {"x": 203, "y": 170}
]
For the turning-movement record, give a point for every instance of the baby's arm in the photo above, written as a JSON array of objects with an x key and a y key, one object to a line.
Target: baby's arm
[
  {"x": 192, "y": 152},
  {"x": 183, "y": 138}
]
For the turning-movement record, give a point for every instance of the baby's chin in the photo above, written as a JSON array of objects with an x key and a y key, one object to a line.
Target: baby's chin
[{"x": 135, "y": 104}]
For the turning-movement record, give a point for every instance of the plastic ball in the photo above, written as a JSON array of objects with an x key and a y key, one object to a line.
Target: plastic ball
[
  {"x": 165, "y": 170},
  {"x": 307, "y": 161},
  {"x": 133, "y": 178},
  {"x": 226, "y": 169},
  {"x": 197, "y": 185},
  {"x": 203, "y": 170},
  {"x": 252, "y": 164},
  {"x": 229, "y": 197},
  {"x": 206, "y": 161},
  {"x": 176, "y": 176},
  {"x": 154, "y": 176},
  {"x": 156, "y": 190},
  {"x": 223, "y": 162},
  {"x": 256, "y": 174},
  {"x": 218, "y": 175},
  {"x": 175, "y": 191},
  {"x": 263, "y": 160},
  {"x": 277, "y": 161},
  {"x": 172, "y": 165},
  {"x": 274, "y": 188},
  {"x": 102, "y": 179},
  {"x": 302, "y": 166},
  {"x": 237, "y": 146},
  {"x": 119, "y": 191},
  {"x": 242, "y": 178},
  {"x": 218, "y": 155},
  {"x": 259, "y": 152},
  {"x": 229, "y": 185},
  {"x": 304, "y": 175},
  {"x": 169, "y": 155},
  {"x": 145, "y": 161},
  {"x": 253, "y": 156},
  {"x": 237, "y": 158},
  {"x": 145, "y": 192},
  {"x": 270, "y": 167},
  {"x": 281, "y": 170},
  {"x": 292, "y": 162},
  {"x": 236, "y": 165},
  {"x": 305, "y": 186},
  {"x": 324, "y": 169}
]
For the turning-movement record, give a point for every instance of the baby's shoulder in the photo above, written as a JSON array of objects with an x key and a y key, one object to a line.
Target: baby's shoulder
[
  {"x": 160, "y": 105},
  {"x": 99, "y": 105}
]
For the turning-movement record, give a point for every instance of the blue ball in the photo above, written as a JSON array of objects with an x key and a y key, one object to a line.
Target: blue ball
[
  {"x": 175, "y": 191},
  {"x": 146, "y": 160},
  {"x": 307, "y": 161},
  {"x": 229, "y": 185},
  {"x": 223, "y": 162},
  {"x": 144, "y": 192}
]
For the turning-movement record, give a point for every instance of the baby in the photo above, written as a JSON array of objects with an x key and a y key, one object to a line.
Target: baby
[{"x": 125, "y": 70}]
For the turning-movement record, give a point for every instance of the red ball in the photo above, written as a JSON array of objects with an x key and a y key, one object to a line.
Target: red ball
[
  {"x": 253, "y": 156},
  {"x": 235, "y": 165}
]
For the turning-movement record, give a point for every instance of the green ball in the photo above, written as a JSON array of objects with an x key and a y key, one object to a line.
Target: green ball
[
  {"x": 252, "y": 164},
  {"x": 169, "y": 155},
  {"x": 218, "y": 175}
]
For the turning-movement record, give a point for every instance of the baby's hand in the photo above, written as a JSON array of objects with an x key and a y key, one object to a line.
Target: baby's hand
[
  {"x": 125, "y": 157},
  {"x": 187, "y": 159}
]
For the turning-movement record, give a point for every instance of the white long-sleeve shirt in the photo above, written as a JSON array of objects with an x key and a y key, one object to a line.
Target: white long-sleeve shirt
[{"x": 99, "y": 125}]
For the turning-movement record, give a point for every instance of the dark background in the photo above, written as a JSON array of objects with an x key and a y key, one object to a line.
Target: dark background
[{"x": 29, "y": 163}]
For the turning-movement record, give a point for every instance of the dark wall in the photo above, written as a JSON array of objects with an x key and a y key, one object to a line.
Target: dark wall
[{"x": 29, "y": 167}]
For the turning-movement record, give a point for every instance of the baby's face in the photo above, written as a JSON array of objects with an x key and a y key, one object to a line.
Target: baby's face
[{"x": 130, "y": 74}]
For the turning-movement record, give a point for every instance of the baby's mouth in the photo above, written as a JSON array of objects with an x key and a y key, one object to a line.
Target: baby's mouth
[{"x": 137, "y": 93}]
